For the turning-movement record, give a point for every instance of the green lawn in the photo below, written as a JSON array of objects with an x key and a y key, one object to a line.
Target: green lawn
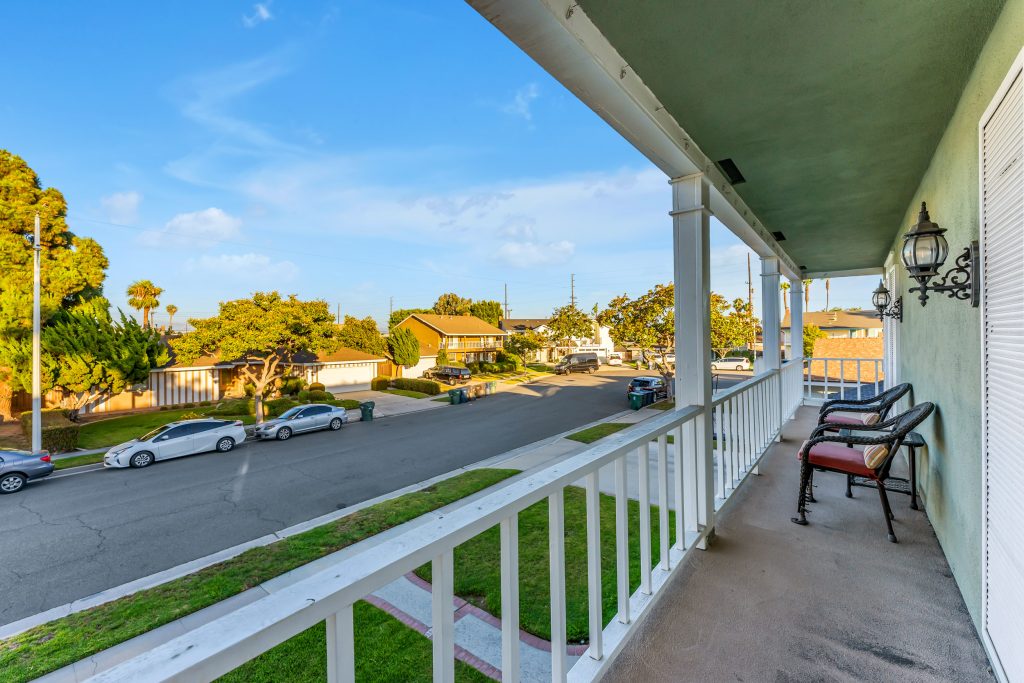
[
  {"x": 478, "y": 565},
  {"x": 442, "y": 399},
  {"x": 592, "y": 434},
  {"x": 60, "y": 642},
  {"x": 406, "y": 392},
  {"x": 114, "y": 430},
  {"x": 77, "y": 461},
  {"x": 663, "y": 405},
  {"x": 386, "y": 650}
]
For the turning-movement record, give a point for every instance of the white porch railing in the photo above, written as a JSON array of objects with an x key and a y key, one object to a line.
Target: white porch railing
[
  {"x": 747, "y": 418},
  {"x": 850, "y": 378}
]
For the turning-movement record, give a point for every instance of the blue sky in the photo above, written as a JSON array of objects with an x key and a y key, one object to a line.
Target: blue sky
[{"x": 350, "y": 151}]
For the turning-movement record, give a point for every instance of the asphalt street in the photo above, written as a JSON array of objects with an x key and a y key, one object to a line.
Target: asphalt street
[{"x": 68, "y": 537}]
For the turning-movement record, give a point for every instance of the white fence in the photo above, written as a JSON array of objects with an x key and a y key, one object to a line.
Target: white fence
[
  {"x": 747, "y": 417},
  {"x": 849, "y": 378}
]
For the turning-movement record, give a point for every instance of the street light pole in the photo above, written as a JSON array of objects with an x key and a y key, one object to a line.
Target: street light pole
[{"x": 37, "y": 398}]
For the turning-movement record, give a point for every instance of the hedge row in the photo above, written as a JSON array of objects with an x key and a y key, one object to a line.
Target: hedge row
[
  {"x": 501, "y": 366},
  {"x": 380, "y": 383},
  {"x": 59, "y": 433},
  {"x": 426, "y": 386}
]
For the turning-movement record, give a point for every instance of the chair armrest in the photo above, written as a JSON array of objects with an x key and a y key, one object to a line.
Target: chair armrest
[
  {"x": 849, "y": 402},
  {"x": 848, "y": 408}
]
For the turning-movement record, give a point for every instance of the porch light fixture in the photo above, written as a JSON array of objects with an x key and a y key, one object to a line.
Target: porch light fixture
[
  {"x": 925, "y": 251},
  {"x": 881, "y": 299}
]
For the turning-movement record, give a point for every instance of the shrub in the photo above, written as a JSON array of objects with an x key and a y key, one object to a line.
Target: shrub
[
  {"x": 380, "y": 383},
  {"x": 163, "y": 407},
  {"x": 316, "y": 386},
  {"x": 473, "y": 367},
  {"x": 318, "y": 396},
  {"x": 232, "y": 408},
  {"x": 278, "y": 405},
  {"x": 190, "y": 416},
  {"x": 188, "y": 405},
  {"x": 61, "y": 438},
  {"x": 426, "y": 386},
  {"x": 303, "y": 396},
  {"x": 52, "y": 417},
  {"x": 206, "y": 403},
  {"x": 289, "y": 386}
]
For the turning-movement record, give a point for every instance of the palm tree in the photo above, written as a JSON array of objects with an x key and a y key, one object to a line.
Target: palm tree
[
  {"x": 784, "y": 286},
  {"x": 828, "y": 285},
  {"x": 142, "y": 296},
  {"x": 807, "y": 295},
  {"x": 171, "y": 310}
]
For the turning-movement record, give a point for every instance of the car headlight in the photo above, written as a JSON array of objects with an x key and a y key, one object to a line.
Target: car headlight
[{"x": 119, "y": 451}]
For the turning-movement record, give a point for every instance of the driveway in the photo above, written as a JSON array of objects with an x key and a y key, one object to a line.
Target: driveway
[{"x": 73, "y": 535}]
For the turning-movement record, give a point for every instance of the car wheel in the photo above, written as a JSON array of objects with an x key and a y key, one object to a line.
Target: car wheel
[
  {"x": 284, "y": 433},
  {"x": 336, "y": 424},
  {"x": 226, "y": 444},
  {"x": 11, "y": 483},
  {"x": 141, "y": 459}
]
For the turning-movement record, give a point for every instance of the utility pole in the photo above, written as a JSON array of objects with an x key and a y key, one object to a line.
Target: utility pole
[
  {"x": 506, "y": 301},
  {"x": 37, "y": 383},
  {"x": 391, "y": 308},
  {"x": 337, "y": 316},
  {"x": 572, "y": 289}
]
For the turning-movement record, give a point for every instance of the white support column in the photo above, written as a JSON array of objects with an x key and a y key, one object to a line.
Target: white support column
[
  {"x": 796, "y": 320},
  {"x": 341, "y": 655},
  {"x": 691, "y": 227},
  {"x": 771, "y": 321}
]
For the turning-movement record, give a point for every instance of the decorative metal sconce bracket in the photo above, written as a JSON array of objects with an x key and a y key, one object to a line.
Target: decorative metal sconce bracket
[
  {"x": 895, "y": 310},
  {"x": 959, "y": 282}
]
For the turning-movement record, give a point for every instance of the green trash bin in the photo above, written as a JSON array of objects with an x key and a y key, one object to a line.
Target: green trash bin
[
  {"x": 636, "y": 400},
  {"x": 463, "y": 396},
  {"x": 453, "y": 396},
  {"x": 366, "y": 411}
]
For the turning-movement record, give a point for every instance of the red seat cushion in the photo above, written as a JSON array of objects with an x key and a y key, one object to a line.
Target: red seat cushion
[
  {"x": 837, "y": 456},
  {"x": 849, "y": 418}
]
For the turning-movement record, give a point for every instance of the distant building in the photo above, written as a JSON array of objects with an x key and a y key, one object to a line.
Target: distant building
[
  {"x": 836, "y": 325},
  {"x": 465, "y": 338}
]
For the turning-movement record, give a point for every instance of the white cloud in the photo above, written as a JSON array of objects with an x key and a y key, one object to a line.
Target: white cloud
[
  {"x": 195, "y": 229},
  {"x": 522, "y": 102},
  {"x": 533, "y": 254},
  {"x": 258, "y": 268},
  {"x": 122, "y": 207},
  {"x": 260, "y": 13}
]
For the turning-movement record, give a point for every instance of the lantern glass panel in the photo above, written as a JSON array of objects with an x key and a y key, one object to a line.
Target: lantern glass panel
[{"x": 881, "y": 298}]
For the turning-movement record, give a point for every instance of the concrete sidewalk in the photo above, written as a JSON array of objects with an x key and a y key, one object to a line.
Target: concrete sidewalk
[{"x": 390, "y": 405}]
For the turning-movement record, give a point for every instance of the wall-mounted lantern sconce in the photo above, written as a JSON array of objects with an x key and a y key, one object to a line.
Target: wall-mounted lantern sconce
[
  {"x": 925, "y": 251},
  {"x": 887, "y": 308}
]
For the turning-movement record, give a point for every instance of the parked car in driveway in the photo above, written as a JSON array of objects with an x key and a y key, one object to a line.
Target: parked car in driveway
[
  {"x": 299, "y": 419},
  {"x": 655, "y": 384},
  {"x": 615, "y": 358},
  {"x": 449, "y": 374},
  {"x": 731, "y": 363},
  {"x": 19, "y": 467},
  {"x": 177, "y": 439}
]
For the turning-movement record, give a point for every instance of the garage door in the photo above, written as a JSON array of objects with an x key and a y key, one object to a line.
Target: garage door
[{"x": 340, "y": 377}]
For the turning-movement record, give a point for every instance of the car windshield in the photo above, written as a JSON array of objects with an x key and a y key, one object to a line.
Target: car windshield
[
  {"x": 290, "y": 413},
  {"x": 641, "y": 382},
  {"x": 155, "y": 433}
]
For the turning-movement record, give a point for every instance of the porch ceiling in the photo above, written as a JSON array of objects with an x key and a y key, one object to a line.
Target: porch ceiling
[{"x": 830, "y": 110}]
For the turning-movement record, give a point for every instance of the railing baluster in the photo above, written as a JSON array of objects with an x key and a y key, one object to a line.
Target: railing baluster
[
  {"x": 691, "y": 481},
  {"x": 734, "y": 438},
  {"x": 644, "y": 474},
  {"x": 750, "y": 427},
  {"x": 593, "y": 566},
  {"x": 664, "y": 532},
  {"x": 442, "y": 573},
  {"x": 858, "y": 379},
  {"x": 510, "y": 599},
  {"x": 622, "y": 540},
  {"x": 842, "y": 378},
  {"x": 556, "y": 549},
  {"x": 341, "y": 654},
  {"x": 719, "y": 450},
  {"x": 826, "y": 378},
  {"x": 680, "y": 483}
]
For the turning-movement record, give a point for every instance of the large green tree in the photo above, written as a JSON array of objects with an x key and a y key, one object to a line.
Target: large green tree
[
  {"x": 568, "y": 325},
  {"x": 72, "y": 267},
  {"x": 404, "y": 347},
  {"x": 812, "y": 333},
  {"x": 488, "y": 311},
  {"x": 266, "y": 332},
  {"x": 362, "y": 335},
  {"x": 731, "y": 324},
  {"x": 451, "y": 303},
  {"x": 143, "y": 296},
  {"x": 647, "y": 322},
  {"x": 524, "y": 343}
]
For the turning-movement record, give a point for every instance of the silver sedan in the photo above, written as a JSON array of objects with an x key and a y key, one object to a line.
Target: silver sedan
[
  {"x": 305, "y": 418},
  {"x": 175, "y": 440},
  {"x": 18, "y": 467}
]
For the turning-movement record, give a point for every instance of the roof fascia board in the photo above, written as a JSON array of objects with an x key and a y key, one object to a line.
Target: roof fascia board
[
  {"x": 559, "y": 36},
  {"x": 843, "y": 273}
]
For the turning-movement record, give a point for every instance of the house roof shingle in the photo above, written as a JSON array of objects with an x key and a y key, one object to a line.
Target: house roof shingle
[
  {"x": 857, "y": 320},
  {"x": 457, "y": 325},
  {"x": 522, "y": 324}
]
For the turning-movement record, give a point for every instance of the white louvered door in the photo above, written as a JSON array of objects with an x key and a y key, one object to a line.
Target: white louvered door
[{"x": 1002, "y": 215}]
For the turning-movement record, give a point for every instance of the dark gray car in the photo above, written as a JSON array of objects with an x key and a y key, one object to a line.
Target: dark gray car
[{"x": 18, "y": 467}]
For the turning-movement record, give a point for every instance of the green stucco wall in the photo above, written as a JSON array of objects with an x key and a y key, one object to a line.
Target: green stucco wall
[{"x": 940, "y": 350}]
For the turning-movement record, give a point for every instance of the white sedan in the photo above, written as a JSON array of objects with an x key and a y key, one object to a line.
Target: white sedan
[{"x": 175, "y": 440}]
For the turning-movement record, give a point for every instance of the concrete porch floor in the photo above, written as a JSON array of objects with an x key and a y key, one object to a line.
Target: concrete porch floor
[{"x": 833, "y": 601}]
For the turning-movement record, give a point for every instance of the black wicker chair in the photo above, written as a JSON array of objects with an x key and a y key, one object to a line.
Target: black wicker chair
[
  {"x": 830, "y": 412},
  {"x": 833, "y": 453}
]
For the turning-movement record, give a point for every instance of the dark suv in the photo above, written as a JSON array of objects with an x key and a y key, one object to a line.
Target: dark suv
[
  {"x": 655, "y": 384},
  {"x": 578, "y": 362},
  {"x": 449, "y": 374}
]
